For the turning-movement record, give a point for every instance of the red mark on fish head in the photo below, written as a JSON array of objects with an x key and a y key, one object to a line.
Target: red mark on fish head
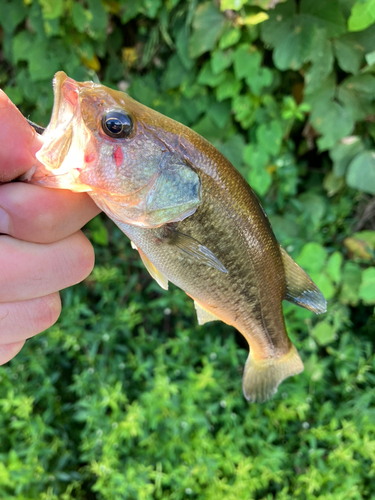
[
  {"x": 89, "y": 156},
  {"x": 118, "y": 156}
]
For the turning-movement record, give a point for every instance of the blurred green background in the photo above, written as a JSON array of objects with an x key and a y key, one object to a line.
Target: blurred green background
[{"x": 126, "y": 397}]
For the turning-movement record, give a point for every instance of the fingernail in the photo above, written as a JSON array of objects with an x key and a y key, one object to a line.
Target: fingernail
[{"x": 4, "y": 222}]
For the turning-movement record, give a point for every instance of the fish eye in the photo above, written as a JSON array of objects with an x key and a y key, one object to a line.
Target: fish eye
[{"x": 117, "y": 124}]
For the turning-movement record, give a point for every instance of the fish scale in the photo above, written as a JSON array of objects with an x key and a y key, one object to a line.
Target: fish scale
[{"x": 193, "y": 218}]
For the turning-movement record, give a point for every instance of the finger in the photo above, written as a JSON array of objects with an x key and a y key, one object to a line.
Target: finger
[
  {"x": 8, "y": 351},
  {"x": 42, "y": 215},
  {"x": 22, "y": 320},
  {"x": 31, "y": 270},
  {"x": 18, "y": 141}
]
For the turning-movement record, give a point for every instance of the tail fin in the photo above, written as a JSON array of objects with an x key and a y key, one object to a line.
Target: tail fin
[{"x": 262, "y": 378}]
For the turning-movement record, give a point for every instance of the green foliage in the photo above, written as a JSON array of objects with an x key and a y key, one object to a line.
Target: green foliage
[{"x": 126, "y": 397}]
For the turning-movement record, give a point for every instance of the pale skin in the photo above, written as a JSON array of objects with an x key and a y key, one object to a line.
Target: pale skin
[{"x": 42, "y": 249}]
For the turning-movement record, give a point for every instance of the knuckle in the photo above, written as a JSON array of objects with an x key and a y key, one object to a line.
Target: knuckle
[{"x": 47, "y": 312}]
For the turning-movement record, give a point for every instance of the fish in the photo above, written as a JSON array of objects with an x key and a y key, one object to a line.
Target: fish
[{"x": 191, "y": 215}]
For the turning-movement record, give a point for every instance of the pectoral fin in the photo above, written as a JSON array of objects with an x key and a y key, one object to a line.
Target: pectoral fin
[
  {"x": 155, "y": 273},
  {"x": 203, "y": 315},
  {"x": 194, "y": 249},
  {"x": 300, "y": 288}
]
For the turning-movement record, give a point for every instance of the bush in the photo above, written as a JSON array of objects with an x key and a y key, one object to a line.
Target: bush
[{"x": 108, "y": 406}]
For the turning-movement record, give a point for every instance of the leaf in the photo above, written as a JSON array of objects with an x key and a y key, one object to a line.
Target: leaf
[
  {"x": 332, "y": 120},
  {"x": 233, "y": 149},
  {"x": 351, "y": 280},
  {"x": 208, "y": 23},
  {"x": 367, "y": 287},
  {"x": 269, "y": 137},
  {"x": 362, "y": 15},
  {"x": 322, "y": 62},
  {"x": 349, "y": 52},
  {"x": 312, "y": 258},
  {"x": 327, "y": 15},
  {"x": 229, "y": 37},
  {"x": 12, "y": 13},
  {"x": 324, "y": 333},
  {"x": 260, "y": 180},
  {"x": 247, "y": 60},
  {"x": 219, "y": 112},
  {"x": 230, "y": 87},
  {"x": 344, "y": 152},
  {"x": 208, "y": 77},
  {"x": 313, "y": 206},
  {"x": 232, "y": 4},
  {"x": 357, "y": 94},
  {"x": 221, "y": 60},
  {"x": 51, "y": 10},
  {"x": 244, "y": 109},
  {"x": 361, "y": 172},
  {"x": 81, "y": 17},
  {"x": 333, "y": 267}
]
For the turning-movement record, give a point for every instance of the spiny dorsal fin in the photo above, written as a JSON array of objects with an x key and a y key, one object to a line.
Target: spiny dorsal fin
[
  {"x": 300, "y": 288},
  {"x": 203, "y": 315},
  {"x": 155, "y": 273}
]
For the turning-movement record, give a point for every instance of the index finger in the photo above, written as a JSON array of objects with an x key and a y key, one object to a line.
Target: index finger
[{"x": 18, "y": 141}]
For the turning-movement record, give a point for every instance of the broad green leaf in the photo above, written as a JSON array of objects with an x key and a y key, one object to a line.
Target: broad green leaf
[
  {"x": 220, "y": 60},
  {"x": 81, "y": 16},
  {"x": 313, "y": 206},
  {"x": 361, "y": 172},
  {"x": 174, "y": 74},
  {"x": 357, "y": 93},
  {"x": 247, "y": 61},
  {"x": 259, "y": 79},
  {"x": 324, "y": 333},
  {"x": 220, "y": 113},
  {"x": 362, "y": 15},
  {"x": 232, "y": 4},
  {"x": 312, "y": 258},
  {"x": 327, "y": 15},
  {"x": 21, "y": 46},
  {"x": 260, "y": 180},
  {"x": 229, "y": 37},
  {"x": 208, "y": 23},
  {"x": 349, "y": 52},
  {"x": 324, "y": 283},
  {"x": 233, "y": 149},
  {"x": 229, "y": 87},
  {"x": 244, "y": 110},
  {"x": 208, "y": 77},
  {"x": 51, "y": 10},
  {"x": 333, "y": 267},
  {"x": 344, "y": 152},
  {"x": 332, "y": 120},
  {"x": 269, "y": 136},
  {"x": 367, "y": 287},
  {"x": 255, "y": 157},
  {"x": 322, "y": 62},
  {"x": 351, "y": 280},
  {"x": 12, "y": 13}
]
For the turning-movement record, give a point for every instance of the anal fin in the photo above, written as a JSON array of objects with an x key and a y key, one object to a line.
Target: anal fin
[
  {"x": 300, "y": 288},
  {"x": 155, "y": 273},
  {"x": 203, "y": 315},
  {"x": 261, "y": 378}
]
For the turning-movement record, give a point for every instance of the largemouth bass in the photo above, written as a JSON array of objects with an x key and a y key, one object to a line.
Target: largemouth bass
[{"x": 193, "y": 218}]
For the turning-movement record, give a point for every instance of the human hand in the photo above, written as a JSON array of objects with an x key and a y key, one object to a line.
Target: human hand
[{"x": 42, "y": 250}]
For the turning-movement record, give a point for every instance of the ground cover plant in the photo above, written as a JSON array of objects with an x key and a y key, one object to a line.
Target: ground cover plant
[{"x": 126, "y": 397}]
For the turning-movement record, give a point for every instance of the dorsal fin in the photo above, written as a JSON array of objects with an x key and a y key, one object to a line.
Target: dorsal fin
[
  {"x": 300, "y": 288},
  {"x": 203, "y": 315},
  {"x": 155, "y": 273}
]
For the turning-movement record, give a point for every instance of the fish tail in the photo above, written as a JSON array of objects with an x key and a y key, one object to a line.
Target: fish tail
[{"x": 262, "y": 377}]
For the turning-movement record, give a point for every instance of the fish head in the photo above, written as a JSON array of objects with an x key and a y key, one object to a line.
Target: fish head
[{"x": 103, "y": 142}]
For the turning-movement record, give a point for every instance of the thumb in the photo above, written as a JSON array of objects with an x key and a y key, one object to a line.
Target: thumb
[{"x": 18, "y": 141}]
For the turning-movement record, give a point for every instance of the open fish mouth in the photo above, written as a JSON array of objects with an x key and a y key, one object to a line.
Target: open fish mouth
[{"x": 62, "y": 152}]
